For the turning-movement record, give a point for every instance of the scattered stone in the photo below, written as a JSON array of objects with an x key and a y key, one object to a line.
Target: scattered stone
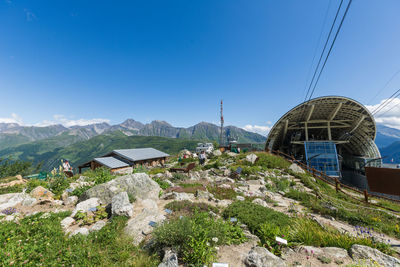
[
  {"x": 226, "y": 186},
  {"x": 170, "y": 257},
  {"x": 240, "y": 198},
  {"x": 67, "y": 222},
  {"x": 231, "y": 154},
  {"x": 217, "y": 153},
  {"x": 86, "y": 205},
  {"x": 201, "y": 194},
  {"x": 137, "y": 226},
  {"x": 224, "y": 203},
  {"x": 360, "y": 252},
  {"x": 82, "y": 231},
  {"x": 72, "y": 200},
  {"x": 168, "y": 174},
  {"x": 259, "y": 201},
  {"x": 139, "y": 185},
  {"x": 58, "y": 202},
  {"x": 178, "y": 196},
  {"x": 149, "y": 204},
  {"x": 97, "y": 226},
  {"x": 29, "y": 201},
  {"x": 227, "y": 172},
  {"x": 261, "y": 257},
  {"x": 42, "y": 193},
  {"x": 12, "y": 199},
  {"x": 120, "y": 205},
  {"x": 296, "y": 168},
  {"x": 127, "y": 170},
  {"x": 251, "y": 158},
  {"x": 333, "y": 253}
]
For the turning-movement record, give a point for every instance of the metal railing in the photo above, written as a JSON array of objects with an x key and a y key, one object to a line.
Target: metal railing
[{"x": 335, "y": 182}]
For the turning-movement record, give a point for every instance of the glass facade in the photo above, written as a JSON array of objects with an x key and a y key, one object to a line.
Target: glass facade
[{"x": 322, "y": 156}]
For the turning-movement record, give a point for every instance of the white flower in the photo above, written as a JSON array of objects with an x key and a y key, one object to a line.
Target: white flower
[
  {"x": 216, "y": 248},
  {"x": 207, "y": 244},
  {"x": 215, "y": 239}
]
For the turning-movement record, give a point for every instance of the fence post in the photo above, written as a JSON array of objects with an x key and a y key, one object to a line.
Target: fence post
[
  {"x": 337, "y": 185},
  {"x": 366, "y": 196}
]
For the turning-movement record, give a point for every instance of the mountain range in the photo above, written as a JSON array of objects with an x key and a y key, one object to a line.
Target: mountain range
[{"x": 81, "y": 143}]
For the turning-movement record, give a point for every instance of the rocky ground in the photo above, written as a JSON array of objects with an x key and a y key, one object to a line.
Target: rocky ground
[{"x": 140, "y": 198}]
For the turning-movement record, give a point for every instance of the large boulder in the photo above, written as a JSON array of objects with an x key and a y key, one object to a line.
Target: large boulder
[
  {"x": 120, "y": 205},
  {"x": 359, "y": 252},
  {"x": 261, "y": 257},
  {"x": 42, "y": 193},
  {"x": 139, "y": 185},
  {"x": 12, "y": 199},
  {"x": 142, "y": 225},
  {"x": 178, "y": 196}
]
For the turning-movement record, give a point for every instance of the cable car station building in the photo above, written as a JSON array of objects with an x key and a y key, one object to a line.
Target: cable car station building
[{"x": 332, "y": 134}]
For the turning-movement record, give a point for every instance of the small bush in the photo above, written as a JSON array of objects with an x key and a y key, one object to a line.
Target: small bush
[
  {"x": 222, "y": 193},
  {"x": 80, "y": 190},
  {"x": 163, "y": 184},
  {"x": 254, "y": 215},
  {"x": 154, "y": 171},
  {"x": 58, "y": 184},
  {"x": 100, "y": 175},
  {"x": 33, "y": 183},
  {"x": 11, "y": 189},
  {"x": 188, "y": 207},
  {"x": 196, "y": 237},
  {"x": 178, "y": 177}
]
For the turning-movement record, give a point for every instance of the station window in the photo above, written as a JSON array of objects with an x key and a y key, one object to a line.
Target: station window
[{"x": 322, "y": 156}]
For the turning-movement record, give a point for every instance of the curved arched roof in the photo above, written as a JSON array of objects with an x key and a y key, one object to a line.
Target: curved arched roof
[{"x": 351, "y": 124}]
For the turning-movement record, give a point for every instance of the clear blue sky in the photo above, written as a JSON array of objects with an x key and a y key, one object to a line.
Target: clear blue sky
[{"x": 175, "y": 60}]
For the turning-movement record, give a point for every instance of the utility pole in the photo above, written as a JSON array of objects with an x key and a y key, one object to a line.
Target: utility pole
[{"x": 221, "y": 138}]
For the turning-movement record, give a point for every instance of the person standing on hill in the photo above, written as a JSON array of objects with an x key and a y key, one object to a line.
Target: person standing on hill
[{"x": 202, "y": 157}]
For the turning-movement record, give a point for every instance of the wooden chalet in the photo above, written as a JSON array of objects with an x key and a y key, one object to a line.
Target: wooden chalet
[{"x": 123, "y": 160}]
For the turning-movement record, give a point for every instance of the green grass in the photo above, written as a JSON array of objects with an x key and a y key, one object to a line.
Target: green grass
[
  {"x": 188, "y": 207},
  {"x": 222, "y": 193},
  {"x": 163, "y": 184},
  {"x": 35, "y": 241},
  {"x": 195, "y": 237}
]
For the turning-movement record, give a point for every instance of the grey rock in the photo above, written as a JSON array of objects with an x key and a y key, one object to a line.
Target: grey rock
[
  {"x": 82, "y": 231},
  {"x": 97, "y": 226},
  {"x": 120, "y": 205},
  {"x": 259, "y": 201},
  {"x": 240, "y": 198},
  {"x": 139, "y": 185},
  {"x": 359, "y": 252},
  {"x": 67, "y": 222},
  {"x": 296, "y": 168},
  {"x": 72, "y": 200},
  {"x": 58, "y": 202},
  {"x": 332, "y": 253},
  {"x": 170, "y": 258},
  {"x": 178, "y": 196},
  {"x": 251, "y": 158},
  {"x": 202, "y": 194},
  {"x": 217, "y": 153},
  {"x": 261, "y": 257},
  {"x": 138, "y": 227},
  {"x": 29, "y": 201},
  {"x": 10, "y": 200},
  {"x": 86, "y": 205},
  {"x": 224, "y": 203}
]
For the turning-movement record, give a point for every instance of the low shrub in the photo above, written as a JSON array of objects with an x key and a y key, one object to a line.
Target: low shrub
[
  {"x": 39, "y": 241},
  {"x": 80, "y": 190},
  {"x": 196, "y": 237},
  {"x": 308, "y": 232},
  {"x": 163, "y": 184},
  {"x": 100, "y": 175},
  {"x": 222, "y": 193},
  {"x": 154, "y": 171},
  {"x": 178, "y": 177},
  {"x": 58, "y": 184},
  {"x": 12, "y": 189},
  {"x": 188, "y": 207},
  {"x": 254, "y": 215},
  {"x": 33, "y": 183}
]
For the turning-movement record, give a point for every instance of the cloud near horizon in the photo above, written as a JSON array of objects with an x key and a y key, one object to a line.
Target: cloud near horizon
[
  {"x": 263, "y": 130},
  {"x": 61, "y": 119},
  {"x": 13, "y": 119},
  {"x": 389, "y": 115}
]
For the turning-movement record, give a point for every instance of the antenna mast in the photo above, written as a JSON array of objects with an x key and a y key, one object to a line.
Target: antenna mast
[{"x": 221, "y": 138}]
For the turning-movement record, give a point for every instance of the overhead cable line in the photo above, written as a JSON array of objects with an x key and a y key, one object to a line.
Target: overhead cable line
[
  {"x": 387, "y": 83},
  {"x": 330, "y": 49}
]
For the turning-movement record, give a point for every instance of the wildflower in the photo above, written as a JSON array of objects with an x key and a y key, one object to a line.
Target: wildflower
[
  {"x": 215, "y": 239},
  {"x": 312, "y": 251}
]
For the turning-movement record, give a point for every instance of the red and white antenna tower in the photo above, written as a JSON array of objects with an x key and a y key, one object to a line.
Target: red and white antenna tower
[{"x": 221, "y": 138}]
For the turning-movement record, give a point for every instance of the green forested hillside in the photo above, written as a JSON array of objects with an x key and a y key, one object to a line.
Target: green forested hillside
[{"x": 83, "y": 151}]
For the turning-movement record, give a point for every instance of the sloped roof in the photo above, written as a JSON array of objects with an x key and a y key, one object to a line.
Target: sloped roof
[
  {"x": 111, "y": 162},
  {"x": 137, "y": 154}
]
